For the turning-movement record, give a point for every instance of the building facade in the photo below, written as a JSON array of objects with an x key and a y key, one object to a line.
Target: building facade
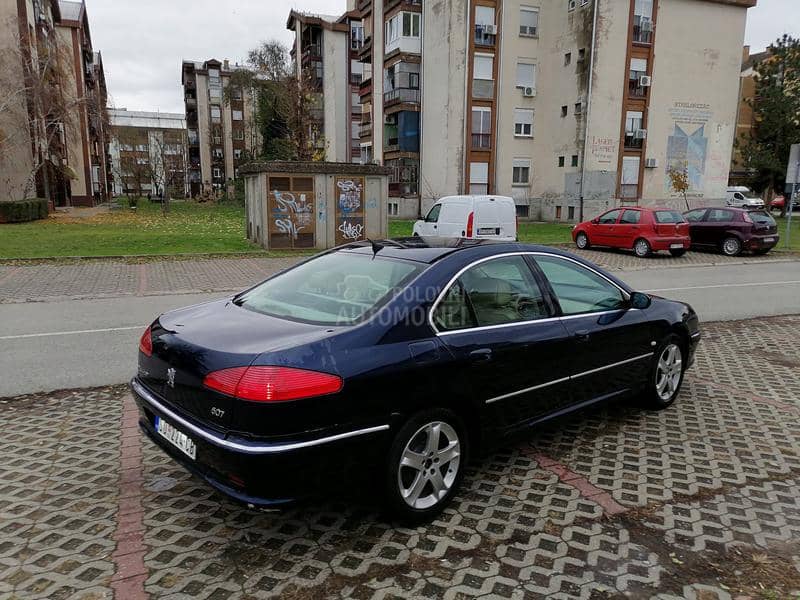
[
  {"x": 745, "y": 118},
  {"x": 149, "y": 153},
  {"x": 325, "y": 54},
  {"x": 570, "y": 107},
  {"x": 87, "y": 142},
  {"x": 221, "y": 128}
]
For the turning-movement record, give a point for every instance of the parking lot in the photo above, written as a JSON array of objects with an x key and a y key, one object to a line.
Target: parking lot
[{"x": 699, "y": 501}]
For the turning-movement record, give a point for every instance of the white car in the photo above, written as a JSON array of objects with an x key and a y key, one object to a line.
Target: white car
[
  {"x": 475, "y": 217},
  {"x": 742, "y": 197}
]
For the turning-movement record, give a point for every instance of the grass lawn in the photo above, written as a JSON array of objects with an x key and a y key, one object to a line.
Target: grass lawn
[
  {"x": 533, "y": 233},
  {"x": 187, "y": 228},
  {"x": 795, "y": 234}
]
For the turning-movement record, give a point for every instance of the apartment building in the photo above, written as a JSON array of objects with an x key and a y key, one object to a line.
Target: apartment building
[
  {"x": 87, "y": 142},
  {"x": 221, "y": 127},
  {"x": 326, "y": 56},
  {"x": 745, "y": 117},
  {"x": 149, "y": 153},
  {"x": 569, "y": 106}
]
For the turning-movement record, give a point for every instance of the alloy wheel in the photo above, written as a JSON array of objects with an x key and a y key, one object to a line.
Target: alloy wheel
[
  {"x": 668, "y": 371},
  {"x": 429, "y": 465},
  {"x": 642, "y": 248},
  {"x": 581, "y": 241},
  {"x": 731, "y": 246}
]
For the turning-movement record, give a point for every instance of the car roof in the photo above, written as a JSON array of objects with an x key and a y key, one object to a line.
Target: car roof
[{"x": 430, "y": 249}]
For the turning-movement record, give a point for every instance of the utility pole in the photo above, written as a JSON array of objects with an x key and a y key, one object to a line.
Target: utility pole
[{"x": 792, "y": 179}]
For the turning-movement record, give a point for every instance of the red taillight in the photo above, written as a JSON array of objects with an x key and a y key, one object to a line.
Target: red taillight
[
  {"x": 272, "y": 384},
  {"x": 470, "y": 223},
  {"x": 146, "y": 343}
]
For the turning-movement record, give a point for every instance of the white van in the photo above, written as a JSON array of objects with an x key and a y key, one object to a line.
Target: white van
[
  {"x": 743, "y": 197},
  {"x": 476, "y": 217}
]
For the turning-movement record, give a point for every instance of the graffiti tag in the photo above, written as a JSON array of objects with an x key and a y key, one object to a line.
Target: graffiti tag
[{"x": 351, "y": 231}]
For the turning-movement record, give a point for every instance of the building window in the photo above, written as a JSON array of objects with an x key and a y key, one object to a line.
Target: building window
[
  {"x": 558, "y": 208},
  {"x": 238, "y": 135},
  {"x": 482, "y": 76},
  {"x": 634, "y": 125},
  {"x": 561, "y": 161},
  {"x": 637, "y": 71},
  {"x": 216, "y": 172},
  {"x": 574, "y": 160},
  {"x": 356, "y": 35},
  {"x": 484, "y": 26},
  {"x": 402, "y": 24},
  {"x": 567, "y": 59},
  {"x": 578, "y": 108},
  {"x": 237, "y": 115},
  {"x": 481, "y": 127},
  {"x": 413, "y": 81},
  {"x": 630, "y": 177},
  {"x": 237, "y": 154},
  {"x": 643, "y": 21},
  {"x": 521, "y": 171},
  {"x": 394, "y": 209},
  {"x": 528, "y": 21},
  {"x": 478, "y": 178},
  {"x": 582, "y": 55},
  {"x": 523, "y": 122},
  {"x": 217, "y": 153},
  {"x": 523, "y": 211},
  {"x": 526, "y": 75},
  {"x": 571, "y": 4},
  {"x": 571, "y": 213},
  {"x": 237, "y": 93},
  {"x": 216, "y": 114},
  {"x": 564, "y": 110}
]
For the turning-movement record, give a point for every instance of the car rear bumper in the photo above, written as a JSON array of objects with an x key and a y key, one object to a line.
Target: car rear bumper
[
  {"x": 761, "y": 243},
  {"x": 666, "y": 243},
  {"x": 264, "y": 473}
]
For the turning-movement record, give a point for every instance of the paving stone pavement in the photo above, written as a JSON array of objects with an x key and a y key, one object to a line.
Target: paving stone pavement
[
  {"x": 698, "y": 501},
  {"x": 22, "y": 282}
]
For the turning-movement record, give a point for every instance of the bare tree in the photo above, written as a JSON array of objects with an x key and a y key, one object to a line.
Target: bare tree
[
  {"x": 167, "y": 164},
  {"x": 679, "y": 181},
  {"x": 37, "y": 108},
  {"x": 133, "y": 170}
]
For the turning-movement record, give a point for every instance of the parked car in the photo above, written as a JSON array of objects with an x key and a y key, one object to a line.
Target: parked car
[
  {"x": 732, "y": 230},
  {"x": 398, "y": 359},
  {"x": 645, "y": 230},
  {"x": 478, "y": 217},
  {"x": 780, "y": 201},
  {"x": 743, "y": 197}
]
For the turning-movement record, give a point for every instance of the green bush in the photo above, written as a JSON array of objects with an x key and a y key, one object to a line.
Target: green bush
[{"x": 20, "y": 211}]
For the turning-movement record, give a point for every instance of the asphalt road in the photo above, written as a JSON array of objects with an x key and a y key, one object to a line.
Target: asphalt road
[{"x": 46, "y": 346}]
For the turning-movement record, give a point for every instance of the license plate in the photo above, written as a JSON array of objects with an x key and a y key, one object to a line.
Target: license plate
[
  {"x": 178, "y": 439},
  {"x": 675, "y": 246},
  {"x": 769, "y": 239},
  {"x": 487, "y": 231}
]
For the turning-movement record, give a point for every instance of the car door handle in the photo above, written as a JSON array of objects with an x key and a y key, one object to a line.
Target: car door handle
[
  {"x": 482, "y": 355},
  {"x": 582, "y": 335}
]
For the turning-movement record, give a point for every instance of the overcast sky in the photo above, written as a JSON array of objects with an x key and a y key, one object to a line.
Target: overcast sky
[{"x": 144, "y": 41}]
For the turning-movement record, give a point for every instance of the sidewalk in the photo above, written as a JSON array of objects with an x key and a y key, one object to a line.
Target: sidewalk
[{"x": 93, "y": 278}]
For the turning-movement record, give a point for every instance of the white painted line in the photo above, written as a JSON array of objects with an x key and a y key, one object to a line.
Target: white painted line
[
  {"x": 726, "y": 285},
  {"x": 54, "y": 333}
]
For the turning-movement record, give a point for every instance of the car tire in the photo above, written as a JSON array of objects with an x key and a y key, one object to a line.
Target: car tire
[
  {"x": 665, "y": 376},
  {"x": 582, "y": 241},
  {"x": 731, "y": 246},
  {"x": 641, "y": 248},
  {"x": 414, "y": 492},
  {"x": 678, "y": 253}
]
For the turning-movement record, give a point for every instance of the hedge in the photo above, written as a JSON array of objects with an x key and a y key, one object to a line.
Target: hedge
[{"x": 19, "y": 211}]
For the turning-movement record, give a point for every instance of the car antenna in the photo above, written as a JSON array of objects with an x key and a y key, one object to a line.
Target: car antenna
[{"x": 376, "y": 247}]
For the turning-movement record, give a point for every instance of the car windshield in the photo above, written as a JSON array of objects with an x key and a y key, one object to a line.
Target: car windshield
[
  {"x": 669, "y": 216},
  {"x": 335, "y": 289},
  {"x": 762, "y": 218}
]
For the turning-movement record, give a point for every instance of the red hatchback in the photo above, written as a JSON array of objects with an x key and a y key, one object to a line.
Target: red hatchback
[{"x": 644, "y": 230}]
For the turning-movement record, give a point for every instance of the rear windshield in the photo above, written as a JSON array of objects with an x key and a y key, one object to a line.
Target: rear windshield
[
  {"x": 669, "y": 216},
  {"x": 761, "y": 218},
  {"x": 334, "y": 289}
]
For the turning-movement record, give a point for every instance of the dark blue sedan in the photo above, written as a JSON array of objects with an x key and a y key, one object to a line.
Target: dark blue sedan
[{"x": 398, "y": 359}]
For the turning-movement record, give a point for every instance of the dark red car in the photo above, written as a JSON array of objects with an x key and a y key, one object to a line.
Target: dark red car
[
  {"x": 732, "y": 230},
  {"x": 643, "y": 230}
]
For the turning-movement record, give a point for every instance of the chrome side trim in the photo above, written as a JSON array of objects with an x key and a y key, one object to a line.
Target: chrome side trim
[
  {"x": 570, "y": 378},
  {"x": 530, "y": 389},
  {"x": 455, "y": 277},
  {"x": 145, "y": 395},
  {"x": 612, "y": 365}
]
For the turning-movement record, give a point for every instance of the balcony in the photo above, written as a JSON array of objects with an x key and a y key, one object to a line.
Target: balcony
[
  {"x": 643, "y": 33},
  {"x": 635, "y": 89},
  {"x": 483, "y": 89},
  {"x": 365, "y": 53},
  {"x": 401, "y": 95},
  {"x": 355, "y": 78},
  {"x": 485, "y": 35},
  {"x": 632, "y": 142},
  {"x": 190, "y": 101},
  {"x": 312, "y": 51},
  {"x": 392, "y": 145},
  {"x": 481, "y": 141},
  {"x": 365, "y": 130},
  {"x": 407, "y": 4},
  {"x": 365, "y": 87}
]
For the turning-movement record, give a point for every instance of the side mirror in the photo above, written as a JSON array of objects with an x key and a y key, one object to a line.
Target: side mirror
[
  {"x": 640, "y": 300},
  {"x": 596, "y": 220}
]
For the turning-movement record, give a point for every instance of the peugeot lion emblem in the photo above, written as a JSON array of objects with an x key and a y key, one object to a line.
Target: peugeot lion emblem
[{"x": 171, "y": 377}]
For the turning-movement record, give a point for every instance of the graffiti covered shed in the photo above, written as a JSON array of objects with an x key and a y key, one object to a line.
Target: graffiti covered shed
[{"x": 314, "y": 204}]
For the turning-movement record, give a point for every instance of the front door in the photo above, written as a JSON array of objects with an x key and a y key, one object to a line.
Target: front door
[
  {"x": 604, "y": 231},
  {"x": 696, "y": 227},
  {"x": 612, "y": 348},
  {"x": 628, "y": 230},
  {"x": 430, "y": 225},
  {"x": 506, "y": 348}
]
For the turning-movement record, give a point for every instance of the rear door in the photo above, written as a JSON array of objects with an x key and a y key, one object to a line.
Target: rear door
[
  {"x": 611, "y": 346},
  {"x": 670, "y": 223},
  {"x": 717, "y": 224},
  {"x": 487, "y": 218},
  {"x": 508, "y": 219},
  {"x": 604, "y": 232},
  {"x": 505, "y": 342}
]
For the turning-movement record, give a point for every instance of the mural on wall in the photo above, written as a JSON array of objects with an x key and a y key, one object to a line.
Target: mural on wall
[
  {"x": 349, "y": 210},
  {"x": 687, "y": 147},
  {"x": 291, "y": 213}
]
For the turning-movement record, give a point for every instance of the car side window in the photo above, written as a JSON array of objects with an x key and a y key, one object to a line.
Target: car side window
[
  {"x": 720, "y": 215},
  {"x": 578, "y": 289},
  {"x": 610, "y": 217},
  {"x": 695, "y": 216},
  {"x": 631, "y": 217},
  {"x": 496, "y": 292},
  {"x": 433, "y": 214}
]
